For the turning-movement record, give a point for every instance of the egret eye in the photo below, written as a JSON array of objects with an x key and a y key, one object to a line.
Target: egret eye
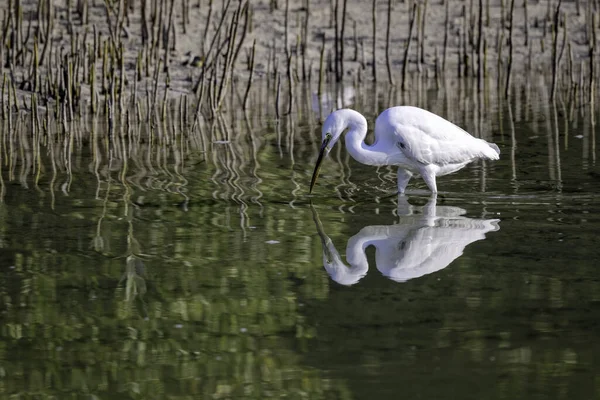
[
  {"x": 401, "y": 145},
  {"x": 328, "y": 135}
]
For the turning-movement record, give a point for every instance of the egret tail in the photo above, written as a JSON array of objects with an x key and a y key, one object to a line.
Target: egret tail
[{"x": 495, "y": 147}]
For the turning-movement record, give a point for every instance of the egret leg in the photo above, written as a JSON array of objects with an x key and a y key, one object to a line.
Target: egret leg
[
  {"x": 403, "y": 178},
  {"x": 429, "y": 177}
]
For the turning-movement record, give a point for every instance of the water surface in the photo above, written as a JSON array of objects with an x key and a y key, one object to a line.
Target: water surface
[{"x": 193, "y": 269}]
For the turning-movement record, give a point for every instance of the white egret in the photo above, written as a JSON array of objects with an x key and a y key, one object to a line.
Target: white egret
[{"x": 416, "y": 140}]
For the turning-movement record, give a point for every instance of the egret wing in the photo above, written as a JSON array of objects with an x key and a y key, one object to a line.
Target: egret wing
[{"x": 431, "y": 145}]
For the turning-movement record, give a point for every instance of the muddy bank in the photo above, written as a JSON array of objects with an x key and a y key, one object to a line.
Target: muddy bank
[{"x": 211, "y": 42}]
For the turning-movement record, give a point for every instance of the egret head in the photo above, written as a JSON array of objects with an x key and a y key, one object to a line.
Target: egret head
[{"x": 333, "y": 128}]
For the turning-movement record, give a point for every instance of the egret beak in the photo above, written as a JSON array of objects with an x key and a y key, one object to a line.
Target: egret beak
[{"x": 324, "y": 150}]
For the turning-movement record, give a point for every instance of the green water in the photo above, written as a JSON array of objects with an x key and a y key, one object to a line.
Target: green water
[{"x": 188, "y": 274}]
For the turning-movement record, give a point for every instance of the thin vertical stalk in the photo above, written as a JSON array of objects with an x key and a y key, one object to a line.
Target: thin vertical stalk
[
  {"x": 413, "y": 17},
  {"x": 374, "y": 56},
  {"x": 446, "y": 29},
  {"x": 286, "y": 28},
  {"x": 510, "y": 49},
  {"x": 168, "y": 36},
  {"x": 592, "y": 48},
  {"x": 321, "y": 70},
  {"x": 305, "y": 39},
  {"x": 480, "y": 48},
  {"x": 49, "y": 26},
  {"x": 336, "y": 39},
  {"x": 355, "y": 39},
  {"x": 387, "y": 43},
  {"x": 277, "y": 97},
  {"x": 342, "y": 36},
  {"x": 205, "y": 35},
  {"x": 555, "y": 58},
  {"x": 526, "y": 22},
  {"x": 251, "y": 73},
  {"x": 422, "y": 36},
  {"x": 290, "y": 84},
  {"x": 184, "y": 16}
]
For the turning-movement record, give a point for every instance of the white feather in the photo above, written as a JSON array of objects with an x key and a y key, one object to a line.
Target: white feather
[{"x": 430, "y": 139}]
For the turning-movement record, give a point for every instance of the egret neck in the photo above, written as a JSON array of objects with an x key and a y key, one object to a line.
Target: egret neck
[{"x": 374, "y": 154}]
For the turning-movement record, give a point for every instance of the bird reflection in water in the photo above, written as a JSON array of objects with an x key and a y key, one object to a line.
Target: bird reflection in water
[{"x": 425, "y": 240}]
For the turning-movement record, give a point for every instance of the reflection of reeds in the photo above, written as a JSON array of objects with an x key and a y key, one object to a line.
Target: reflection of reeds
[{"x": 247, "y": 161}]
